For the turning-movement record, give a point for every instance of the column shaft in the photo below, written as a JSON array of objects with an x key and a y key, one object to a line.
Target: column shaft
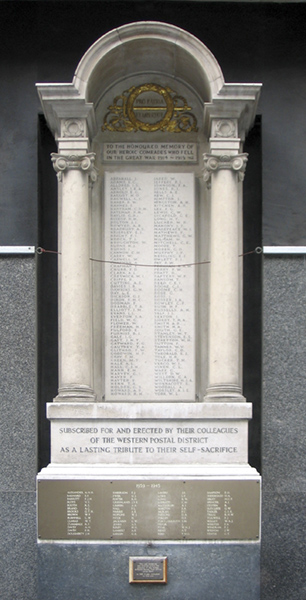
[
  {"x": 225, "y": 311},
  {"x": 75, "y": 336}
]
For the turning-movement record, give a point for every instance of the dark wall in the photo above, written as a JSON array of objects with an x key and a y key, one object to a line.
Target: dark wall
[
  {"x": 44, "y": 41},
  {"x": 252, "y": 289},
  {"x": 46, "y": 290}
]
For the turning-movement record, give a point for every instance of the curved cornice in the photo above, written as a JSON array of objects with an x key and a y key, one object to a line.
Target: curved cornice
[
  {"x": 144, "y": 47},
  {"x": 184, "y": 56}
]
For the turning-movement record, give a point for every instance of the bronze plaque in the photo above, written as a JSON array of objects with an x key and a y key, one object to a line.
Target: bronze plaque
[
  {"x": 151, "y": 569},
  {"x": 149, "y": 509}
]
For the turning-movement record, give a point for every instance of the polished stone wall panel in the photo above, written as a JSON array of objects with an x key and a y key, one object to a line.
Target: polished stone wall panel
[
  {"x": 283, "y": 455},
  {"x": 17, "y": 366},
  {"x": 100, "y": 572},
  {"x": 17, "y": 428},
  {"x": 283, "y": 547},
  {"x": 284, "y": 361},
  {"x": 18, "y": 550}
]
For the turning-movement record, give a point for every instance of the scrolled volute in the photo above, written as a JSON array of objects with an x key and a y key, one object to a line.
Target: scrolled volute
[
  {"x": 213, "y": 163},
  {"x": 83, "y": 162}
]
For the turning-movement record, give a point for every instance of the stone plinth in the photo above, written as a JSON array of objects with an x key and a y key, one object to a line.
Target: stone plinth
[{"x": 148, "y": 434}]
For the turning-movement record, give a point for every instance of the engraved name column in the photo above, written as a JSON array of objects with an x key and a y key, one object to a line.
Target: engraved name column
[
  {"x": 224, "y": 172},
  {"x": 75, "y": 172}
]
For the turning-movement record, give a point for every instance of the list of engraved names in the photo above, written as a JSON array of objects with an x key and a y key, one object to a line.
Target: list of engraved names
[
  {"x": 150, "y": 509},
  {"x": 150, "y": 302}
]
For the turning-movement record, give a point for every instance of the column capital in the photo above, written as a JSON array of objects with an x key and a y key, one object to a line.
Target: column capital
[
  {"x": 84, "y": 162},
  {"x": 215, "y": 162}
]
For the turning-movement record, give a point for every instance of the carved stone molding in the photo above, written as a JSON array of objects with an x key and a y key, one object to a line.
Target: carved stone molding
[
  {"x": 84, "y": 162},
  {"x": 73, "y": 128},
  {"x": 213, "y": 163},
  {"x": 224, "y": 128}
]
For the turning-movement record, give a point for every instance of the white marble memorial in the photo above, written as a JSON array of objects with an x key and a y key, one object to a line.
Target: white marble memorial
[{"x": 150, "y": 168}]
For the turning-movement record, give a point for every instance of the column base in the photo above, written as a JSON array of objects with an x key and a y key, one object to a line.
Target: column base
[
  {"x": 224, "y": 393},
  {"x": 77, "y": 393}
]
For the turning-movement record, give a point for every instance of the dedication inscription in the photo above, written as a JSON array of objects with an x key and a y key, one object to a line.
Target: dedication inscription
[
  {"x": 150, "y": 441},
  {"x": 149, "y": 152},
  {"x": 149, "y": 300}
]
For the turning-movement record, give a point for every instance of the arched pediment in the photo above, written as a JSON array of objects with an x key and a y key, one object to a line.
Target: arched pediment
[
  {"x": 142, "y": 48},
  {"x": 146, "y": 47}
]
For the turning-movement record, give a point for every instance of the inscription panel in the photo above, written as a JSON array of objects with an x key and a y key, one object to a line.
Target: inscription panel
[
  {"x": 149, "y": 441},
  {"x": 150, "y": 302},
  {"x": 149, "y": 152},
  {"x": 147, "y": 509}
]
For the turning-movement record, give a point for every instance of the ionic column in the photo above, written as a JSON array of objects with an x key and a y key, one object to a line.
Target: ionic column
[
  {"x": 75, "y": 345},
  {"x": 224, "y": 173}
]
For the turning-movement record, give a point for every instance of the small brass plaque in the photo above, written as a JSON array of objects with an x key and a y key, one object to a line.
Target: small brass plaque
[{"x": 151, "y": 569}]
